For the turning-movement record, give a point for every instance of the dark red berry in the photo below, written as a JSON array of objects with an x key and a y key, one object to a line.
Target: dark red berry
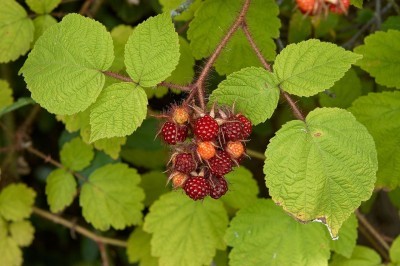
[
  {"x": 173, "y": 133},
  {"x": 184, "y": 163},
  {"x": 206, "y": 128},
  {"x": 197, "y": 188},
  {"x": 246, "y": 125},
  {"x": 341, "y": 7},
  {"x": 220, "y": 164},
  {"x": 219, "y": 187},
  {"x": 232, "y": 130}
]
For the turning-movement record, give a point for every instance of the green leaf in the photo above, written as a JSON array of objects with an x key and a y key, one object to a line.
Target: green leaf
[
  {"x": 357, "y": 3},
  {"x": 6, "y": 98},
  {"x": 192, "y": 229},
  {"x": 10, "y": 253},
  {"x": 154, "y": 184},
  {"x": 76, "y": 154},
  {"x": 381, "y": 57},
  {"x": 43, "y": 6},
  {"x": 299, "y": 27},
  {"x": 76, "y": 121},
  {"x": 170, "y": 5},
  {"x": 321, "y": 169},
  {"x": 394, "y": 251},
  {"x": 3, "y": 228},
  {"x": 262, "y": 234},
  {"x": 120, "y": 35},
  {"x": 42, "y": 23},
  {"x": 312, "y": 66},
  {"x": 111, "y": 147},
  {"x": 243, "y": 188},
  {"x": 152, "y": 51},
  {"x": 21, "y": 102},
  {"x": 379, "y": 112},
  {"x": 16, "y": 29},
  {"x": 60, "y": 189},
  {"x": 138, "y": 249},
  {"x": 391, "y": 23},
  {"x": 343, "y": 93},
  {"x": 362, "y": 256},
  {"x": 16, "y": 202},
  {"x": 119, "y": 110},
  {"x": 22, "y": 233},
  {"x": 347, "y": 237},
  {"x": 111, "y": 197},
  {"x": 64, "y": 69},
  {"x": 253, "y": 90}
]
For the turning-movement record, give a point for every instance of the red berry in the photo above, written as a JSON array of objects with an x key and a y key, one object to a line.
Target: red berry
[
  {"x": 184, "y": 163},
  {"x": 341, "y": 7},
  {"x": 206, "y": 128},
  {"x": 306, "y": 6},
  {"x": 218, "y": 188},
  {"x": 232, "y": 130},
  {"x": 197, "y": 188},
  {"x": 246, "y": 125},
  {"x": 205, "y": 150},
  {"x": 173, "y": 133},
  {"x": 235, "y": 149},
  {"x": 220, "y": 164}
]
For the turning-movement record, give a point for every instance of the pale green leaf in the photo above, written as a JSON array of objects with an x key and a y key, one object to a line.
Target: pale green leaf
[
  {"x": 76, "y": 154},
  {"x": 380, "y": 113},
  {"x": 120, "y": 35},
  {"x": 64, "y": 69},
  {"x": 362, "y": 256},
  {"x": 43, "y": 6},
  {"x": 347, "y": 237},
  {"x": 22, "y": 233},
  {"x": 154, "y": 184},
  {"x": 243, "y": 188},
  {"x": 299, "y": 27},
  {"x": 343, "y": 93},
  {"x": 60, "y": 189},
  {"x": 10, "y": 253},
  {"x": 312, "y": 66},
  {"x": 392, "y": 22},
  {"x": 322, "y": 168},
  {"x": 139, "y": 248},
  {"x": 152, "y": 51},
  {"x": 381, "y": 57},
  {"x": 262, "y": 234},
  {"x": 192, "y": 229},
  {"x": 111, "y": 197},
  {"x": 21, "y": 102},
  {"x": 357, "y": 3},
  {"x": 119, "y": 110},
  {"x": 111, "y": 147},
  {"x": 170, "y": 5},
  {"x": 253, "y": 90},
  {"x": 16, "y": 202},
  {"x": 394, "y": 251},
  {"x": 6, "y": 98},
  {"x": 16, "y": 31},
  {"x": 76, "y": 121},
  {"x": 42, "y": 23}
]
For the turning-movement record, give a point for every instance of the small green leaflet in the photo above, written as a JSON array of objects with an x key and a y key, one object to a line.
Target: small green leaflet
[
  {"x": 380, "y": 113},
  {"x": 60, "y": 189},
  {"x": 253, "y": 91},
  {"x": 394, "y": 251},
  {"x": 42, "y": 6},
  {"x": 76, "y": 154},
  {"x": 138, "y": 249},
  {"x": 381, "y": 57},
  {"x": 152, "y": 51},
  {"x": 321, "y": 169},
  {"x": 154, "y": 184},
  {"x": 6, "y": 98},
  {"x": 111, "y": 197},
  {"x": 312, "y": 66},
  {"x": 347, "y": 237},
  {"x": 18, "y": 27},
  {"x": 120, "y": 35},
  {"x": 10, "y": 253},
  {"x": 362, "y": 256},
  {"x": 16, "y": 201},
  {"x": 119, "y": 110},
  {"x": 192, "y": 229},
  {"x": 357, "y": 3},
  {"x": 22, "y": 233},
  {"x": 262, "y": 234},
  {"x": 64, "y": 69},
  {"x": 42, "y": 23},
  {"x": 111, "y": 147}
]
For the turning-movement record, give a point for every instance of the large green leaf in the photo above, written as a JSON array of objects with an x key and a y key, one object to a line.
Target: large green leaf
[
  {"x": 16, "y": 31},
  {"x": 362, "y": 256},
  {"x": 16, "y": 202},
  {"x": 119, "y": 110},
  {"x": 262, "y": 234},
  {"x": 190, "y": 230},
  {"x": 76, "y": 154},
  {"x": 6, "y": 98},
  {"x": 43, "y": 6},
  {"x": 380, "y": 113},
  {"x": 253, "y": 90},
  {"x": 139, "y": 249},
  {"x": 42, "y": 23},
  {"x": 60, "y": 189},
  {"x": 152, "y": 51},
  {"x": 10, "y": 253},
  {"x": 22, "y": 232},
  {"x": 381, "y": 57},
  {"x": 312, "y": 66},
  {"x": 322, "y": 168},
  {"x": 64, "y": 69},
  {"x": 347, "y": 237},
  {"x": 111, "y": 197}
]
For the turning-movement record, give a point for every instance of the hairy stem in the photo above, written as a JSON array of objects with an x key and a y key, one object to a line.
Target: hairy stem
[
  {"x": 254, "y": 46},
  {"x": 255, "y": 154},
  {"x": 293, "y": 105},
  {"x": 175, "y": 86},
  {"x": 118, "y": 76}
]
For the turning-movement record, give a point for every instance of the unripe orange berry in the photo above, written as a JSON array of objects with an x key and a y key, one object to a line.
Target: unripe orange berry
[
  {"x": 179, "y": 179},
  {"x": 206, "y": 150},
  {"x": 180, "y": 115},
  {"x": 235, "y": 149}
]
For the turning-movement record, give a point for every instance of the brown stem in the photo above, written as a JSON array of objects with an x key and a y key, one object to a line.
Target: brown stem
[
  {"x": 118, "y": 76},
  {"x": 175, "y": 86},
  {"x": 103, "y": 254},
  {"x": 25, "y": 127},
  {"x": 255, "y": 154},
  {"x": 293, "y": 105},
  {"x": 255, "y": 47},
  {"x": 81, "y": 230},
  {"x": 85, "y": 8}
]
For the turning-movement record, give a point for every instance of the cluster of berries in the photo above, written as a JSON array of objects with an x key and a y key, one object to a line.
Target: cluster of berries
[
  {"x": 205, "y": 145},
  {"x": 317, "y": 7}
]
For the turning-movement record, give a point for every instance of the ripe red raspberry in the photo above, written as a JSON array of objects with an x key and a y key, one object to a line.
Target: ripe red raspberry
[
  {"x": 341, "y": 7},
  {"x": 178, "y": 179},
  {"x": 246, "y": 125},
  {"x": 218, "y": 188},
  {"x": 220, "y": 164},
  {"x": 306, "y": 6},
  {"x": 235, "y": 149},
  {"x": 206, "y": 128},
  {"x": 184, "y": 162},
  {"x": 197, "y": 188},
  {"x": 232, "y": 130},
  {"x": 205, "y": 150},
  {"x": 173, "y": 133}
]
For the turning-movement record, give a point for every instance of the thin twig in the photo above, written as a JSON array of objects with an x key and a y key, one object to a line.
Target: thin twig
[
  {"x": 26, "y": 125},
  {"x": 103, "y": 254},
  {"x": 293, "y": 105},
  {"x": 84, "y": 11},
  {"x": 254, "y": 46},
  {"x": 81, "y": 230},
  {"x": 378, "y": 13},
  {"x": 395, "y": 6},
  {"x": 118, "y": 76},
  {"x": 175, "y": 86},
  {"x": 375, "y": 244},
  {"x": 255, "y": 154}
]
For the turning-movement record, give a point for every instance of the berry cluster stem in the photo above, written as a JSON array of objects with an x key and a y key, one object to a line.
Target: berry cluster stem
[{"x": 254, "y": 46}]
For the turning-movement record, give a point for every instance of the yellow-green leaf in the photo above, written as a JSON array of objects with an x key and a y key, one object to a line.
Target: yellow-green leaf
[
  {"x": 16, "y": 202},
  {"x": 60, "y": 189},
  {"x": 76, "y": 154},
  {"x": 22, "y": 233}
]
